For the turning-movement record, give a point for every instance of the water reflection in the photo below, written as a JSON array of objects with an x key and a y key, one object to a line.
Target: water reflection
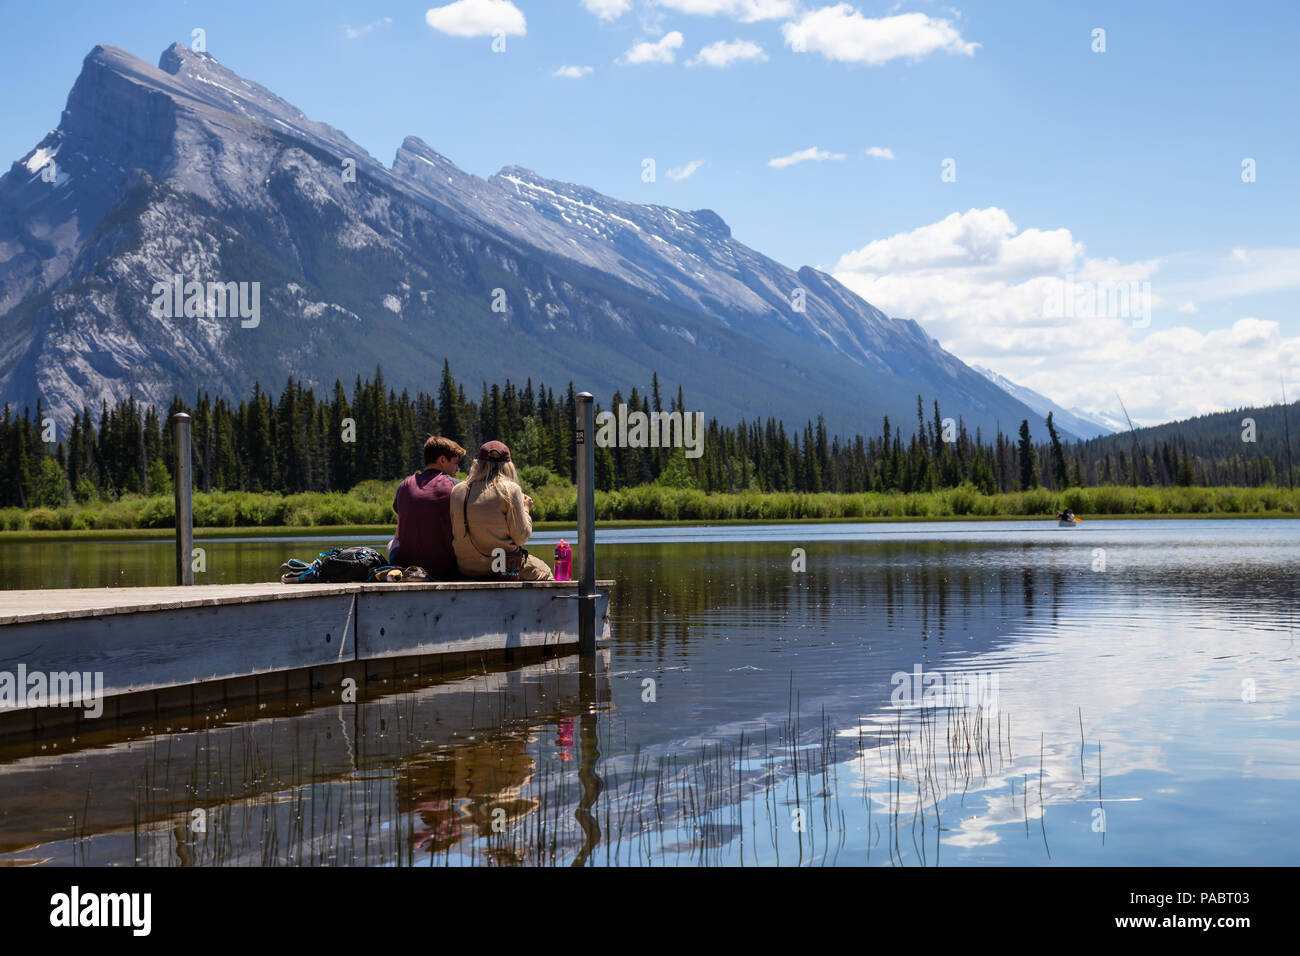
[{"x": 1144, "y": 713}]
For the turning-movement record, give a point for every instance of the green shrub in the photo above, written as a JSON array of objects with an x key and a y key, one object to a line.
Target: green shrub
[
  {"x": 257, "y": 509},
  {"x": 203, "y": 510},
  {"x": 375, "y": 492},
  {"x": 332, "y": 511},
  {"x": 157, "y": 513},
  {"x": 533, "y": 478},
  {"x": 356, "y": 511},
  {"x": 552, "y": 503},
  {"x": 1076, "y": 500},
  {"x": 43, "y": 519},
  {"x": 1108, "y": 500},
  {"x": 115, "y": 516},
  {"x": 962, "y": 499},
  {"x": 370, "y": 503},
  {"x": 1038, "y": 501},
  {"x": 299, "y": 518}
]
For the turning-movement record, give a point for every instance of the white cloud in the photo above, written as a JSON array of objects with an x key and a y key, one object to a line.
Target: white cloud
[
  {"x": 992, "y": 294},
  {"x": 746, "y": 11},
  {"x": 662, "y": 50},
  {"x": 880, "y": 152},
  {"x": 723, "y": 53},
  {"x": 572, "y": 72},
  {"x": 683, "y": 172},
  {"x": 983, "y": 240},
  {"x": 1238, "y": 255},
  {"x": 842, "y": 33},
  {"x": 477, "y": 18},
  {"x": 353, "y": 33},
  {"x": 608, "y": 9},
  {"x": 811, "y": 154},
  {"x": 1188, "y": 307}
]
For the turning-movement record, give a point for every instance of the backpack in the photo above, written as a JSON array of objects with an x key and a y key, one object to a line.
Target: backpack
[{"x": 337, "y": 566}]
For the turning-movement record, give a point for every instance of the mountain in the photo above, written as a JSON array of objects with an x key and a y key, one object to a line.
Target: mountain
[
  {"x": 1217, "y": 436},
  {"x": 1076, "y": 421},
  {"x": 160, "y": 181}
]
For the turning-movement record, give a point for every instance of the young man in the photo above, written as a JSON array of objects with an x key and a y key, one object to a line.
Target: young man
[{"x": 423, "y": 506}]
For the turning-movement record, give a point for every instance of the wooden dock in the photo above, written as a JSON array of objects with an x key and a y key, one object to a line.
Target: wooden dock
[{"x": 154, "y": 649}]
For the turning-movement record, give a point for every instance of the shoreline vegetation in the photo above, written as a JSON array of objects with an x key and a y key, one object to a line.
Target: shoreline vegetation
[
  {"x": 367, "y": 509},
  {"x": 303, "y": 444}
]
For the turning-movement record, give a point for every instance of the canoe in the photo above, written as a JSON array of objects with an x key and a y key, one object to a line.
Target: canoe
[{"x": 1074, "y": 522}]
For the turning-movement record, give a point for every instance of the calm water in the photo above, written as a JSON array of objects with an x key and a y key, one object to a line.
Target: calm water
[{"x": 1118, "y": 693}]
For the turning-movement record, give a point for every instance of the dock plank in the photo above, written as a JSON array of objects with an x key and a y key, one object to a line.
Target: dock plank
[
  {"x": 54, "y": 604},
  {"x": 173, "y": 640}
]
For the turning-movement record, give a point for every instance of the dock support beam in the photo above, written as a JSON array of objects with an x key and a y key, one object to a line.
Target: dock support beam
[
  {"x": 585, "y": 439},
  {"x": 184, "y": 484}
]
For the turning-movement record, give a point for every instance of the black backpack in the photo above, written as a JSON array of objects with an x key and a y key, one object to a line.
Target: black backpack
[{"x": 338, "y": 566}]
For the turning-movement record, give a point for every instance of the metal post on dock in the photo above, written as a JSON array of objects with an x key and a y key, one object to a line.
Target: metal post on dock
[
  {"x": 184, "y": 500},
  {"x": 585, "y": 439}
]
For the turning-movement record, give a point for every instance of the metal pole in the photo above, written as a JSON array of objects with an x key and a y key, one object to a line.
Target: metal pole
[
  {"x": 585, "y": 439},
  {"x": 184, "y": 500}
]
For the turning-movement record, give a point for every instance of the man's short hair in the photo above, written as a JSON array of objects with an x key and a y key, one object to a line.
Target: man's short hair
[{"x": 438, "y": 447}]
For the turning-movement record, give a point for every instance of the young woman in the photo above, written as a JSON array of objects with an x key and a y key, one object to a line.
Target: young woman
[{"x": 490, "y": 513}]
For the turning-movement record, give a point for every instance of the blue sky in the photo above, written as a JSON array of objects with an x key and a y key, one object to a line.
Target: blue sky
[{"x": 1096, "y": 169}]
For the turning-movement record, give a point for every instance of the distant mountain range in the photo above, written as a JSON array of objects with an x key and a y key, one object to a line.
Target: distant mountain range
[
  {"x": 1074, "y": 420},
  {"x": 1218, "y": 434},
  {"x": 169, "y": 196},
  {"x": 1248, "y": 446}
]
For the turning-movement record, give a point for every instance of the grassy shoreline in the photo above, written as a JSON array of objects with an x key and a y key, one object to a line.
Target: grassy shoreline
[{"x": 367, "y": 509}]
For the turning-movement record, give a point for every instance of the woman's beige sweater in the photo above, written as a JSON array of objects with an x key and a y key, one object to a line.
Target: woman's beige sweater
[{"x": 491, "y": 523}]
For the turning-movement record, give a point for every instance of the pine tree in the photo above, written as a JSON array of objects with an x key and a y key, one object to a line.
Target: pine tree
[
  {"x": 1028, "y": 459},
  {"x": 1060, "y": 477}
]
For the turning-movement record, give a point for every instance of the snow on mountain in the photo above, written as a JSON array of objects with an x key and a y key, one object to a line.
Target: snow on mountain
[
  {"x": 1081, "y": 423},
  {"x": 189, "y": 169}
]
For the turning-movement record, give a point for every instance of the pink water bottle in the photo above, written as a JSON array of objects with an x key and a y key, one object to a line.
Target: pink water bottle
[{"x": 563, "y": 561}]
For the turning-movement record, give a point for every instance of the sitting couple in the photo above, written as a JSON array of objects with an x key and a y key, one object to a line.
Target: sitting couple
[{"x": 452, "y": 528}]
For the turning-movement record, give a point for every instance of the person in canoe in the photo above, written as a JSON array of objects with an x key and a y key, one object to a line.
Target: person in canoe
[{"x": 1066, "y": 517}]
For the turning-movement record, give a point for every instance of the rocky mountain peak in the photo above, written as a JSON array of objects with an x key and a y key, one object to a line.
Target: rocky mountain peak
[
  {"x": 189, "y": 162},
  {"x": 413, "y": 144},
  {"x": 415, "y": 156},
  {"x": 178, "y": 56},
  {"x": 711, "y": 222}
]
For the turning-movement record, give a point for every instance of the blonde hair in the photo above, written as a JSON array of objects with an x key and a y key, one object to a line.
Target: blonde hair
[
  {"x": 494, "y": 473},
  {"x": 491, "y": 472}
]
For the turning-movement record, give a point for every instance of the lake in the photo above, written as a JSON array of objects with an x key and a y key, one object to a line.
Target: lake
[{"x": 1120, "y": 693}]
